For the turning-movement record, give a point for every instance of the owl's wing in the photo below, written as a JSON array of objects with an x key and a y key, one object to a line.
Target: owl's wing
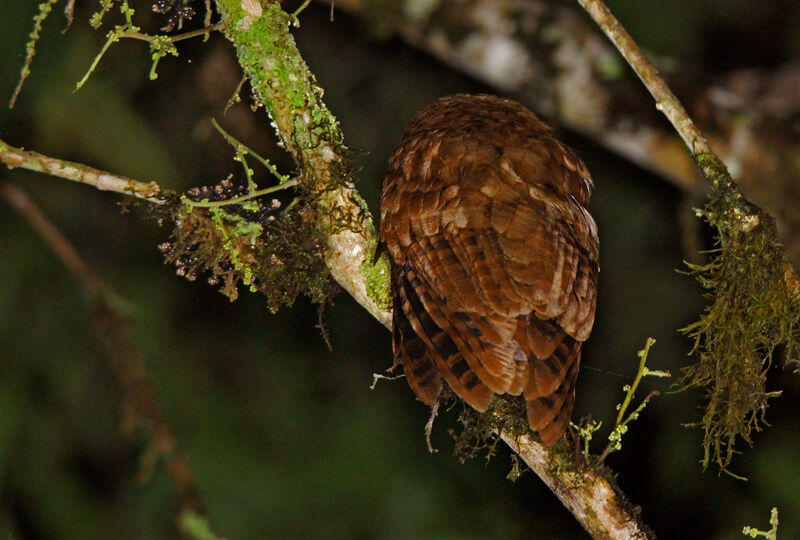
[
  {"x": 429, "y": 346},
  {"x": 565, "y": 296},
  {"x": 506, "y": 271},
  {"x": 554, "y": 359}
]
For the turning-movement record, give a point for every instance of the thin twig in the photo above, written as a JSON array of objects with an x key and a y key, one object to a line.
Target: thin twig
[
  {"x": 44, "y": 10},
  {"x": 174, "y": 39},
  {"x": 52, "y": 237},
  {"x": 103, "y": 180},
  {"x": 234, "y": 99},
  {"x": 239, "y": 200},
  {"x": 666, "y": 102},
  {"x": 237, "y": 144},
  {"x": 303, "y": 6},
  {"x": 69, "y": 10},
  {"x": 141, "y": 407}
]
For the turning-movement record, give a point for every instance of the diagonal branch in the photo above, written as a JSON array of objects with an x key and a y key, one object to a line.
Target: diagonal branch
[{"x": 597, "y": 504}]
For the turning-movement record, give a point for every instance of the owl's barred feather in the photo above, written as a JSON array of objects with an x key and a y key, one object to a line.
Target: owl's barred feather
[{"x": 494, "y": 257}]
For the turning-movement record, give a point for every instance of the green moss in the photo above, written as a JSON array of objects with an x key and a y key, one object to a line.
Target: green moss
[
  {"x": 754, "y": 309},
  {"x": 288, "y": 90},
  {"x": 377, "y": 277},
  {"x": 30, "y": 47},
  {"x": 479, "y": 434},
  {"x": 269, "y": 56},
  {"x": 242, "y": 244}
]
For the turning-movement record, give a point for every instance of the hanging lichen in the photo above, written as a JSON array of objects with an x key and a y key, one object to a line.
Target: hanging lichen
[
  {"x": 755, "y": 309},
  {"x": 247, "y": 242}
]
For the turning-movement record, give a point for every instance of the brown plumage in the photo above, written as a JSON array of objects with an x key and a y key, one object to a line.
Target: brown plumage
[{"x": 494, "y": 257}]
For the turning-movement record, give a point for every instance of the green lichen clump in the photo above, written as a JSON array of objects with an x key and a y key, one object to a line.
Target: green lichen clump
[
  {"x": 755, "y": 309},
  {"x": 277, "y": 254},
  {"x": 376, "y": 275}
]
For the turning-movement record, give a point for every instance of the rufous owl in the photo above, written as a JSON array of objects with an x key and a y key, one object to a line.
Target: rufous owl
[{"x": 494, "y": 257}]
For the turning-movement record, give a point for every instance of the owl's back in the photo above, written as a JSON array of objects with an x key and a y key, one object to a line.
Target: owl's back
[{"x": 494, "y": 257}]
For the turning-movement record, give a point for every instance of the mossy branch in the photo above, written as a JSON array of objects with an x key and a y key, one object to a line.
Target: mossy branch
[
  {"x": 755, "y": 300},
  {"x": 591, "y": 496},
  {"x": 288, "y": 90},
  {"x": 103, "y": 180}
]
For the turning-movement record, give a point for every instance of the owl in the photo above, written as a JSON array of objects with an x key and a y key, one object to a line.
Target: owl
[{"x": 494, "y": 257}]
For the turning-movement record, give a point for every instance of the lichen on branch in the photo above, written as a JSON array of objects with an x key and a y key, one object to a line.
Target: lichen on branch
[
  {"x": 755, "y": 304},
  {"x": 284, "y": 85},
  {"x": 754, "y": 310},
  {"x": 279, "y": 255}
]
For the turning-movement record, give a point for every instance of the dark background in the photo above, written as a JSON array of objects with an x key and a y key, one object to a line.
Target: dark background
[{"x": 284, "y": 437}]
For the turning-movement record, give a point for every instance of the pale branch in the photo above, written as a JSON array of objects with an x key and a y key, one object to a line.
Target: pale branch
[
  {"x": 103, "y": 180},
  {"x": 591, "y": 497}
]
